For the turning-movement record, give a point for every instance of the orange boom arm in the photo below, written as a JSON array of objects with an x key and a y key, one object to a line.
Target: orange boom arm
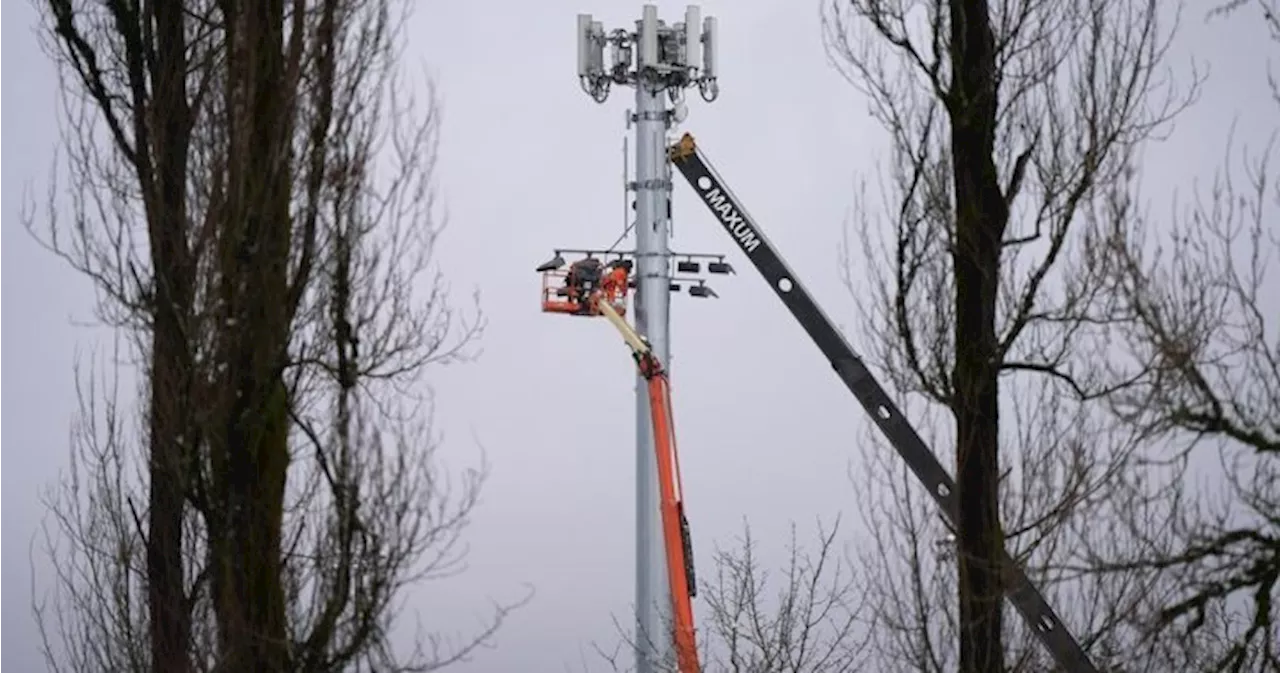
[{"x": 675, "y": 527}]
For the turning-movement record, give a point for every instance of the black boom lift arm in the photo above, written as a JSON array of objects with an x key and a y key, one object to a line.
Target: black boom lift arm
[{"x": 1035, "y": 610}]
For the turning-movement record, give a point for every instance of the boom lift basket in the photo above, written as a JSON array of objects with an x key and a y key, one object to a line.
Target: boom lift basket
[{"x": 564, "y": 290}]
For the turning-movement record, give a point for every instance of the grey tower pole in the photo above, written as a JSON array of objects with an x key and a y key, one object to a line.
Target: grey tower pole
[
  {"x": 660, "y": 61},
  {"x": 652, "y": 312}
]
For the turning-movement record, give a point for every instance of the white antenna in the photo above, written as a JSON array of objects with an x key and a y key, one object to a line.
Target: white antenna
[
  {"x": 584, "y": 45},
  {"x": 649, "y": 37},
  {"x": 692, "y": 43},
  {"x": 709, "y": 47},
  {"x": 597, "y": 48},
  {"x": 591, "y": 43}
]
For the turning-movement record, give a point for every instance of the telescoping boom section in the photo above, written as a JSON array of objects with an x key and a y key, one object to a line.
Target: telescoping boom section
[
  {"x": 1026, "y": 599},
  {"x": 675, "y": 527}
]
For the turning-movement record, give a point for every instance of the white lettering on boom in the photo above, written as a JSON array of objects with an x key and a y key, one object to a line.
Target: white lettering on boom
[{"x": 732, "y": 220}]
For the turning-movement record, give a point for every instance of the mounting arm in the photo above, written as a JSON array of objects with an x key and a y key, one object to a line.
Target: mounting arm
[{"x": 1033, "y": 607}]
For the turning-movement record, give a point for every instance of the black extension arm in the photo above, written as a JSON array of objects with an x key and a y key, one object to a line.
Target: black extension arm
[{"x": 1037, "y": 613}]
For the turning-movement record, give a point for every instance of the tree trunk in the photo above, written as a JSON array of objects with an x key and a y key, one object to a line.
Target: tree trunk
[
  {"x": 255, "y": 239},
  {"x": 981, "y": 215},
  {"x": 171, "y": 436}
]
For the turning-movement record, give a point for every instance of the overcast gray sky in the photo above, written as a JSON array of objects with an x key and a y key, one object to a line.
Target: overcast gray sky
[{"x": 528, "y": 162}]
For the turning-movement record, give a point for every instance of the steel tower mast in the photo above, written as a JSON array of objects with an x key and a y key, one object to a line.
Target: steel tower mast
[{"x": 660, "y": 61}]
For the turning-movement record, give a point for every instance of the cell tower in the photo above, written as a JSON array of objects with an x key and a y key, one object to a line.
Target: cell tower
[{"x": 659, "y": 61}]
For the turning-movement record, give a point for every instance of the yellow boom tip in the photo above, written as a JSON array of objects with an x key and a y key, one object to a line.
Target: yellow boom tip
[{"x": 686, "y": 147}]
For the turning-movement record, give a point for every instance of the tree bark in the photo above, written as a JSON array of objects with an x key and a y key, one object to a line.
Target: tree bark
[
  {"x": 981, "y": 214},
  {"x": 170, "y": 424},
  {"x": 254, "y": 334}
]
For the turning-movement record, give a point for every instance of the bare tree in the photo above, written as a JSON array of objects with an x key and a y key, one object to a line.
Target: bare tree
[
  {"x": 1008, "y": 121},
  {"x": 251, "y": 194},
  {"x": 807, "y": 619},
  {"x": 1200, "y": 340},
  {"x": 813, "y": 622}
]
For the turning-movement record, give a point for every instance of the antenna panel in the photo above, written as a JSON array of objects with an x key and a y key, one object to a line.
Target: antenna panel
[
  {"x": 597, "y": 47},
  {"x": 692, "y": 46},
  {"x": 584, "y": 45},
  {"x": 649, "y": 37},
  {"x": 710, "y": 66}
]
